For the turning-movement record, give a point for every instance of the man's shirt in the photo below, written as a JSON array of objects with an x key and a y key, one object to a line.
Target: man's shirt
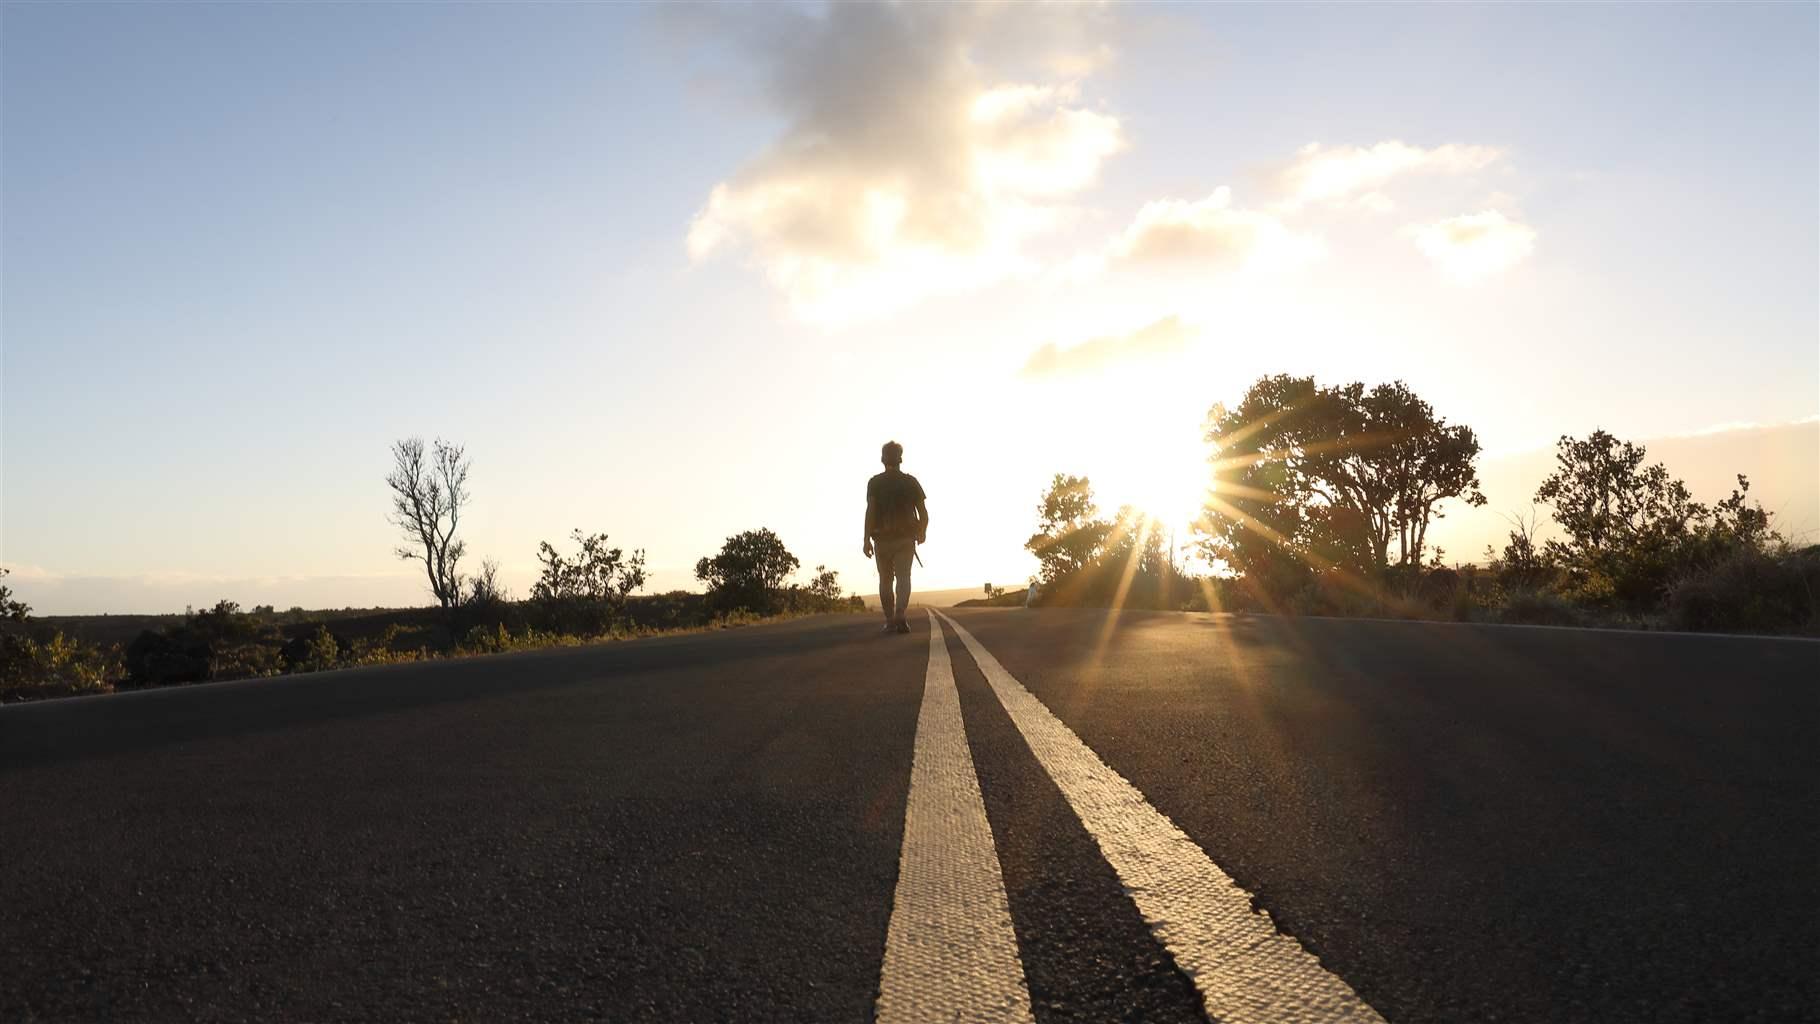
[{"x": 892, "y": 499}]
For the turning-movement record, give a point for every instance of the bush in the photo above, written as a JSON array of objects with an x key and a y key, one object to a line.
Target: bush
[
  {"x": 1750, "y": 590},
  {"x": 11, "y": 607},
  {"x": 749, "y": 572},
  {"x": 580, "y": 616},
  {"x": 487, "y": 640},
  {"x": 312, "y": 652},
  {"x": 1339, "y": 593},
  {"x": 165, "y": 658},
  {"x": 380, "y": 650},
  {"x": 675, "y": 609},
  {"x": 56, "y": 665},
  {"x": 220, "y": 643},
  {"x": 1539, "y": 608}
]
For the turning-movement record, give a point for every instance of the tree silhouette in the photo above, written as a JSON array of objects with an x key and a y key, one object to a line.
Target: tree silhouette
[
  {"x": 826, "y": 584},
  {"x": 1309, "y": 477},
  {"x": 1256, "y": 520},
  {"x": 429, "y": 491},
  {"x": 1631, "y": 528},
  {"x": 1069, "y": 533},
  {"x": 596, "y": 573},
  {"x": 748, "y": 571},
  {"x": 11, "y": 608},
  {"x": 1385, "y": 458}
]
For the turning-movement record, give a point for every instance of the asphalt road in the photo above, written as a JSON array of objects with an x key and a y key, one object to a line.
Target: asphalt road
[{"x": 1461, "y": 823}]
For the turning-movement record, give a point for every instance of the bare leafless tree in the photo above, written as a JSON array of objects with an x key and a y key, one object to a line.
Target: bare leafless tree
[
  {"x": 484, "y": 587},
  {"x": 429, "y": 490}
]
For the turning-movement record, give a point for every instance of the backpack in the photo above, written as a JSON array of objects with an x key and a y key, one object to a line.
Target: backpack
[{"x": 893, "y": 497}]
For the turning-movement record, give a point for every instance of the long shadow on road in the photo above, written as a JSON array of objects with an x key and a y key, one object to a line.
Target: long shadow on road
[{"x": 58, "y": 730}]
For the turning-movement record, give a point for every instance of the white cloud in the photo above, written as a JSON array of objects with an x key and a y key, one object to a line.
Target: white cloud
[
  {"x": 1165, "y": 337},
  {"x": 1286, "y": 232},
  {"x": 907, "y": 166},
  {"x": 1474, "y": 246},
  {"x": 1334, "y": 174},
  {"x": 1212, "y": 233}
]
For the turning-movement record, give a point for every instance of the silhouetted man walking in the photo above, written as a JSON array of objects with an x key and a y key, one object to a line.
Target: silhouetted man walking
[{"x": 897, "y": 520}]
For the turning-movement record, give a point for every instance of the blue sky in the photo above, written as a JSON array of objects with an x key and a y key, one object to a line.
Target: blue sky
[{"x": 246, "y": 246}]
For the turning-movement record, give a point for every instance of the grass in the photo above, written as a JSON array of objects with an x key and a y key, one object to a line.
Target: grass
[{"x": 58, "y": 661}]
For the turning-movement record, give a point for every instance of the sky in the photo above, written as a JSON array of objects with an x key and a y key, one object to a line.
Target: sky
[{"x": 671, "y": 273}]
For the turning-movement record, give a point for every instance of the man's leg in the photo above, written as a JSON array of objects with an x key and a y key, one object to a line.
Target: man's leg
[
  {"x": 882, "y": 554},
  {"x": 906, "y": 557}
]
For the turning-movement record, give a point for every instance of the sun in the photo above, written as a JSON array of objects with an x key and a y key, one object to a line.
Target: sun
[{"x": 1164, "y": 475}]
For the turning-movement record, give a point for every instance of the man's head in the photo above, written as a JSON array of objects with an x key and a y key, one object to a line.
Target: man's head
[{"x": 892, "y": 454}]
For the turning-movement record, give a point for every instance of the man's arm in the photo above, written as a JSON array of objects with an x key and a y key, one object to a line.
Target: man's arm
[
  {"x": 922, "y": 520},
  {"x": 866, "y": 547}
]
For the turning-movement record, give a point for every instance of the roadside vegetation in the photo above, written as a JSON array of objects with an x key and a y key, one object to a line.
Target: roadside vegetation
[
  {"x": 585, "y": 593},
  {"x": 1320, "y": 501}
]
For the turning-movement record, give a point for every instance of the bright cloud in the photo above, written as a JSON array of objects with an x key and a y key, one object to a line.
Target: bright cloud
[
  {"x": 1212, "y": 233},
  {"x": 1334, "y": 174},
  {"x": 1165, "y": 337},
  {"x": 1474, "y": 246},
  {"x": 906, "y": 166},
  {"x": 1319, "y": 182}
]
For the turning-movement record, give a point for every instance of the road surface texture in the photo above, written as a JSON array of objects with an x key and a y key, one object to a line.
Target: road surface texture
[{"x": 1442, "y": 823}]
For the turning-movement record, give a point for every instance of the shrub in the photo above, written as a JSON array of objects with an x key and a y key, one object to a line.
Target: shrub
[
  {"x": 156, "y": 658},
  {"x": 675, "y": 609},
  {"x": 749, "y": 572},
  {"x": 1632, "y": 530},
  {"x": 11, "y": 607},
  {"x": 247, "y": 660},
  {"x": 487, "y": 640},
  {"x": 585, "y": 594},
  {"x": 1539, "y": 608},
  {"x": 380, "y": 650},
  {"x": 56, "y": 665},
  {"x": 220, "y": 643},
  {"x": 312, "y": 652},
  {"x": 579, "y": 616},
  {"x": 1750, "y": 590},
  {"x": 1337, "y": 592}
]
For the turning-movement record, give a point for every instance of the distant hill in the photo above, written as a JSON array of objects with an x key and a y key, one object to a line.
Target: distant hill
[
  {"x": 1005, "y": 599},
  {"x": 935, "y": 598}
]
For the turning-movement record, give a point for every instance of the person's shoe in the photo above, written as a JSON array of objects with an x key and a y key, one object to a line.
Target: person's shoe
[
  {"x": 890, "y": 627},
  {"x": 903, "y": 627}
]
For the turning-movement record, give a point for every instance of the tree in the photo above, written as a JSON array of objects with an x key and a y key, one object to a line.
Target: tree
[
  {"x": 826, "y": 585},
  {"x": 1312, "y": 478},
  {"x": 1256, "y": 519},
  {"x": 748, "y": 571},
  {"x": 1604, "y": 497},
  {"x": 991, "y": 592},
  {"x": 428, "y": 494},
  {"x": 1524, "y": 564},
  {"x": 1135, "y": 545},
  {"x": 1631, "y": 528},
  {"x": 596, "y": 573},
  {"x": 1381, "y": 461},
  {"x": 1069, "y": 532},
  {"x": 1087, "y": 560},
  {"x": 11, "y": 608},
  {"x": 484, "y": 587},
  {"x": 1424, "y": 459}
]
